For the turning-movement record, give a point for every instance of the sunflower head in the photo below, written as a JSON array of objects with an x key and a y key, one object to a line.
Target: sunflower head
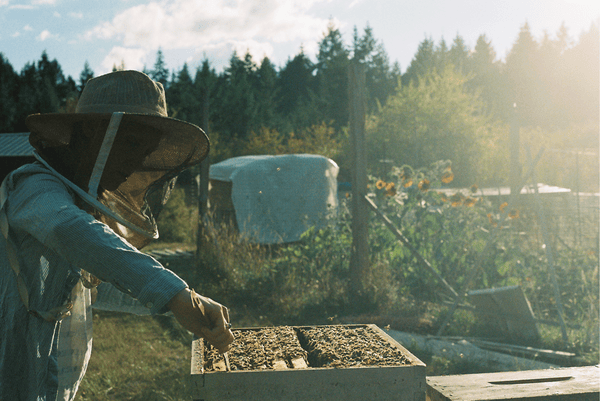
[
  {"x": 456, "y": 199},
  {"x": 470, "y": 202},
  {"x": 447, "y": 175},
  {"x": 491, "y": 219},
  {"x": 390, "y": 189},
  {"x": 424, "y": 185}
]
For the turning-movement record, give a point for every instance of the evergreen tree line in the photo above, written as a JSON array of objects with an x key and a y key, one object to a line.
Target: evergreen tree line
[{"x": 302, "y": 106}]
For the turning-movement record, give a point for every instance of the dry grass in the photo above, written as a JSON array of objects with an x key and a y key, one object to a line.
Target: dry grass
[{"x": 137, "y": 358}]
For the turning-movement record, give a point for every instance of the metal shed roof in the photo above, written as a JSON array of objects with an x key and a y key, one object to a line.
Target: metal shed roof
[
  {"x": 15, "y": 145},
  {"x": 505, "y": 191}
]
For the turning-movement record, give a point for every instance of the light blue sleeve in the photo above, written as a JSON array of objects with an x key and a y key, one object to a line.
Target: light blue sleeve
[
  {"x": 41, "y": 205},
  {"x": 113, "y": 300}
]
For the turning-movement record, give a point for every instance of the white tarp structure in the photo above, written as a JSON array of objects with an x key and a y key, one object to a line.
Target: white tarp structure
[{"x": 277, "y": 198}]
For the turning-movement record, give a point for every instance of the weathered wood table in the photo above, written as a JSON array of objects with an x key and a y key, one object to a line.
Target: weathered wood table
[{"x": 564, "y": 384}]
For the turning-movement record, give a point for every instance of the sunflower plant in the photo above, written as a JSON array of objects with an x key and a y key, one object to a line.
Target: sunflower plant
[
  {"x": 448, "y": 228},
  {"x": 458, "y": 231}
]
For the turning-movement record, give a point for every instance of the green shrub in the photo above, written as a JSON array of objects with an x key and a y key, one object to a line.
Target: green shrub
[{"x": 177, "y": 222}]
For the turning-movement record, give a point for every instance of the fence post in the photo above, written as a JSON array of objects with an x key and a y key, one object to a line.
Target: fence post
[
  {"x": 203, "y": 183},
  {"x": 548, "y": 249},
  {"x": 514, "y": 146},
  {"x": 359, "y": 257}
]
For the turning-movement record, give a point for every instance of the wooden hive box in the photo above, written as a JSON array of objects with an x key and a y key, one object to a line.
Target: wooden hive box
[
  {"x": 564, "y": 384},
  {"x": 306, "y": 375}
]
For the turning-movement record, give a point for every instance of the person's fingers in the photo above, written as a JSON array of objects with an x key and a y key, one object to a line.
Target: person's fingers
[
  {"x": 226, "y": 314},
  {"x": 214, "y": 312},
  {"x": 207, "y": 319},
  {"x": 220, "y": 334},
  {"x": 219, "y": 338}
]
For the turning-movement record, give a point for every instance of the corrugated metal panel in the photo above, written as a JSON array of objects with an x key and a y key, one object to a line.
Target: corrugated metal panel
[{"x": 12, "y": 145}]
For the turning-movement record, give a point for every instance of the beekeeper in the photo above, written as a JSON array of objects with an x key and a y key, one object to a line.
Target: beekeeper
[{"x": 77, "y": 217}]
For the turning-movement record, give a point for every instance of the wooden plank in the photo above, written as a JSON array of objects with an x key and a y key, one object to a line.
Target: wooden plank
[
  {"x": 316, "y": 384},
  {"x": 420, "y": 259},
  {"x": 579, "y": 383},
  {"x": 561, "y": 358},
  {"x": 299, "y": 363},
  {"x": 220, "y": 366},
  {"x": 507, "y": 310},
  {"x": 461, "y": 350},
  {"x": 279, "y": 364}
]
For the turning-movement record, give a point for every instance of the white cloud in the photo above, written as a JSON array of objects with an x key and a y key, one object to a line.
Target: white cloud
[
  {"x": 199, "y": 24},
  {"x": 75, "y": 15},
  {"x": 27, "y": 28},
  {"x": 45, "y": 34},
  {"x": 37, "y": 2},
  {"x": 56, "y": 14},
  {"x": 16, "y": 34},
  {"x": 258, "y": 50},
  {"x": 132, "y": 58},
  {"x": 3, "y": 3},
  {"x": 355, "y": 3}
]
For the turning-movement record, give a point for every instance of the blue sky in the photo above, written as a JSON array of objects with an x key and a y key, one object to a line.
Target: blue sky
[{"x": 106, "y": 32}]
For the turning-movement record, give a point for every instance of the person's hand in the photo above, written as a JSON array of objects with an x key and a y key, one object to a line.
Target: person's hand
[{"x": 203, "y": 317}]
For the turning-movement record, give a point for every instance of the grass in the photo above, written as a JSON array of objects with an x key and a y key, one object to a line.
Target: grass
[{"x": 137, "y": 358}]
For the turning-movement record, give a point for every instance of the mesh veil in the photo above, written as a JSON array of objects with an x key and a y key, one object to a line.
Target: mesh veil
[
  {"x": 168, "y": 146},
  {"x": 140, "y": 199}
]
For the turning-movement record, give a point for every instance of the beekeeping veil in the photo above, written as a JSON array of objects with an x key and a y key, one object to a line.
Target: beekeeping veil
[{"x": 115, "y": 100}]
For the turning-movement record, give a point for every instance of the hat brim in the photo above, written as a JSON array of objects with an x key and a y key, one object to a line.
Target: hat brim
[{"x": 185, "y": 144}]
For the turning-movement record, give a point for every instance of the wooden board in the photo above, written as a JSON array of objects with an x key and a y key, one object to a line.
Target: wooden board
[
  {"x": 403, "y": 382},
  {"x": 572, "y": 384},
  {"x": 507, "y": 310}
]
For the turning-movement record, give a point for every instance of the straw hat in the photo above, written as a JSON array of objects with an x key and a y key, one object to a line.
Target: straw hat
[{"x": 142, "y": 101}]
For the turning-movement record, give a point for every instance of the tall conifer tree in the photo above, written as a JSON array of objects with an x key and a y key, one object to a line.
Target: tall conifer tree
[
  {"x": 296, "y": 88},
  {"x": 86, "y": 75},
  {"x": 332, "y": 76},
  {"x": 160, "y": 73},
  {"x": 381, "y": 80},
  {"x": 8, "y": 95}
]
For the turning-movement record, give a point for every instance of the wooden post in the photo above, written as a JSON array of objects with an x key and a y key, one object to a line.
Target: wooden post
[
  {"x": 203, "y": 184},
  {"x": 359, "y": 258},
  {"x": 549, "y": 255},
  {"x": 514, "y": 146},
  {"x": 578, "y": 229}
]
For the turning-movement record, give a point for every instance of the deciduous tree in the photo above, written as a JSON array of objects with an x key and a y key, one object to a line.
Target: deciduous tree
[{"x": 434, "y": 119}]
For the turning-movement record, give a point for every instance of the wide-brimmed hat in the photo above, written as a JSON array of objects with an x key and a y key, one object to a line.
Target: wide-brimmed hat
[{"x": 143, "y": 102}]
